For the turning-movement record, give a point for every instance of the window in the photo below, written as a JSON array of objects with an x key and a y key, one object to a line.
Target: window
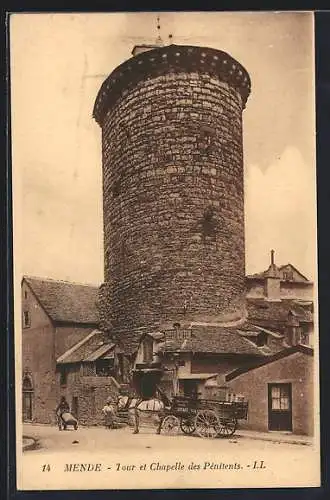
[
  {"x": 104, "y": 367},
  {"x": 25, "y": 294},
  {"x": 147, "y": 351},
  {"x": 88, "y": 369},
  {"x": 288, "y": 275},
  {"x": 304, "y": 336},
  {"x": 26, "y": 319},
  {"x": 63, "y": 376},
  {"x": 280, "y": 397}
]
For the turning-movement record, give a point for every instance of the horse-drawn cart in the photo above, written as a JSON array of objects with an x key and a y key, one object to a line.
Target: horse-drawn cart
[
  {"x": 205, "y": 417},
  {"x": 208, "y": 418}
]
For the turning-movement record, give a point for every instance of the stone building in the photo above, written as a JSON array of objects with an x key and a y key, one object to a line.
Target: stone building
[
  {"x": 172, "y": 153},
  {"x": 65, "y": 354},
  {"x": 89, "y": 372},
  {"x": 281, "y": 299},
  {"x": 279, "y": 390},
  {"x": 174, "y": 250},
  {"x": 194, "y": 361},
  {"x": 56, "y": 315}
]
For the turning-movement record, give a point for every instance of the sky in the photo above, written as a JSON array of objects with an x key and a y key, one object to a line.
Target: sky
[{"x": 59, "y": 61}]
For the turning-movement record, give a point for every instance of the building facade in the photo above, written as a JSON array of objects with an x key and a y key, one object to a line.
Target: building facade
[
  {"x": 89, "y": 373},
  {"x": 194, "y": 361},
  {"x": 279, "y": 391},
  {"x": 55, "y": 316},
  {"x": 281, "y": 298}
]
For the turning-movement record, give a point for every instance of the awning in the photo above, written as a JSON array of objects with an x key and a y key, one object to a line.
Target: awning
[
  {"x": 197, "y": 376},
  {"x": 148, "y": 370}
]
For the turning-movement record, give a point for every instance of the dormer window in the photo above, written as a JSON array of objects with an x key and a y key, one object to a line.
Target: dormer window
[
  {"x": 261, "y": 339},
  {"x": 26, "y": 319},
  {"x": 288, "y": 275}
]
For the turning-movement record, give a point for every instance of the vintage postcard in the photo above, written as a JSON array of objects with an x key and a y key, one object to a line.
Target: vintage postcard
[{"x": 164, "y": 192}]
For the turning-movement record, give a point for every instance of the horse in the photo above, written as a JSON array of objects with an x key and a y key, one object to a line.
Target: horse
[{"x": 142, "y": 409}]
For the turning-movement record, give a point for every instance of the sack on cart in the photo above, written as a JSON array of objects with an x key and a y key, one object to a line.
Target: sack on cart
[{"x": 66, "y": 419}]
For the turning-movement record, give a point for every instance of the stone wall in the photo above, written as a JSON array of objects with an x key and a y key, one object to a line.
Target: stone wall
[
  {"x": 42, "y": 344},
  {"x": 173, "y": 199},
  {"x": 38, "y": 357},
  {"x": 87, "y": 394},
  {"x": 296, "y": 369}
]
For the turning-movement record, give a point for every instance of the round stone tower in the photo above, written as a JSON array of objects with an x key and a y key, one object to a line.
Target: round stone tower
[{"x": 173, "y": 190}]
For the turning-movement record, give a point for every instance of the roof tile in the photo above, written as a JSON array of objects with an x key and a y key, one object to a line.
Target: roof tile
[
  {"x": 213, "y": 339},
  {"x": 66, "y": 302}
]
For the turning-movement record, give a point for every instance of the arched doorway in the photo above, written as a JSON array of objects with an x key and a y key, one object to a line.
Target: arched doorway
[{"x": 27, "y": 398}]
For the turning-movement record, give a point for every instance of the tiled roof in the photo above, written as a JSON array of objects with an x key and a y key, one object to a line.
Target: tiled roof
[
  {"x": 213, "y": 339},
  {"x": 295, "y": 269},
  {"x": 66, "y": 302},
  {"x": 264, "y": 274},
  {"x": 85, "y": 348},
  {"x": 274, "y": 315},
  {"x": 105, "y": 350}
]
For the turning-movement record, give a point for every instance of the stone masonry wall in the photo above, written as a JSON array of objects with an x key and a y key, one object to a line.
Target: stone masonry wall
[
  {"x": 89, "y": 393},
  {"x": 173, "y": 203},
  {"x": 253, "y": 385}
]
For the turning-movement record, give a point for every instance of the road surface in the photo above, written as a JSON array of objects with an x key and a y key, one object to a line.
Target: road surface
[{"x": 100, "y": 458}]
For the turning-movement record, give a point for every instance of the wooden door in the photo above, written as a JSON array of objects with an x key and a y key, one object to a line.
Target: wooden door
[
  {"x": 27, "y": 398},
  {"x": 280, "y": 407},
  {"x": 75, "y": 407},
  {"x": 27, "y": 406},
  {"x": 190, "y": 388}
]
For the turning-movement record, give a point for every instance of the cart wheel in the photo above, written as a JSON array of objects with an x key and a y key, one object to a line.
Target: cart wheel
[
  {"x": 227, "y": 427},
  {"x": 207, "y": 424},
  {"x": 170, "y": 425},
  {"x": 187, "y": 425}
]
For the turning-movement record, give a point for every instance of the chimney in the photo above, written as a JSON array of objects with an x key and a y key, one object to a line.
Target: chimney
[
  {"x": 273, "y": 280},
  {"x": 272, "y": 260}
]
